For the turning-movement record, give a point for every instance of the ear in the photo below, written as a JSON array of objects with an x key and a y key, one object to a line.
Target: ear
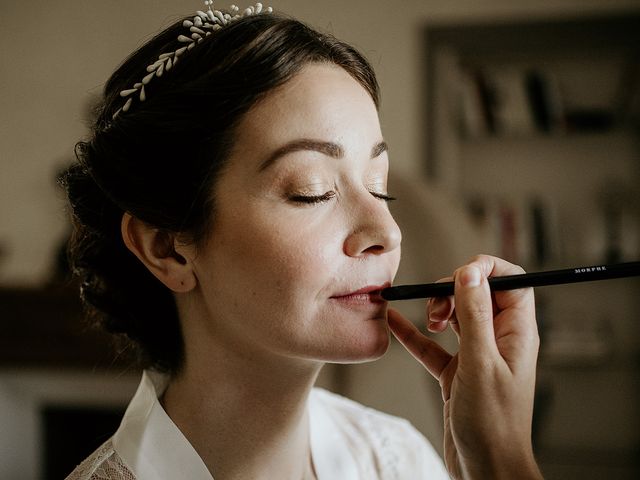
[{"x": 156, "y": 250}]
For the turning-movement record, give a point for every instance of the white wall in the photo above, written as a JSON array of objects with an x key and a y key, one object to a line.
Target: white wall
[{"x": 54, "y": 56}]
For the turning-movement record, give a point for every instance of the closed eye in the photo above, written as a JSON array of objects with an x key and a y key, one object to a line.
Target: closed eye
[
  {"x": 383, "y": 196},
  {"x": 325, "y": 197},
  {"x": 311, "y": 199}
]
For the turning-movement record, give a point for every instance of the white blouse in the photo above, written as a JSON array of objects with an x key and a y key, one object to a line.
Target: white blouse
[{"x": 348, "y": 441}]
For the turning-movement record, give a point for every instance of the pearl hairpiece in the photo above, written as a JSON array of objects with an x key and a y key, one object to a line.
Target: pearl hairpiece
[{"x": 202, "y": 25}]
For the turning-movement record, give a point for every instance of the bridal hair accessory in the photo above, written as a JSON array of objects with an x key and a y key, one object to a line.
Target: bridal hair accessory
[{"x": 202, "y": 25}]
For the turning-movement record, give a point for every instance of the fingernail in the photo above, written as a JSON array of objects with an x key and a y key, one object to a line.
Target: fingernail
[
  {"x": 434, "y": 325},
  {"x": 470, "y": 277},
  {"x": 438, "y": 309}
]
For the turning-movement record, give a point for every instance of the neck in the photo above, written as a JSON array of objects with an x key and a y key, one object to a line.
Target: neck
[{"x": 245, "y": 415}]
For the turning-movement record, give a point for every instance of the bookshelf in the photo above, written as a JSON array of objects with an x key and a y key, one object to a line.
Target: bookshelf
[{"x": 535, "y": 124}]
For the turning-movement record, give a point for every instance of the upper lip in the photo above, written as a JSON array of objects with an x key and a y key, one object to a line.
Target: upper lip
[{"x": 364, "y": 290}]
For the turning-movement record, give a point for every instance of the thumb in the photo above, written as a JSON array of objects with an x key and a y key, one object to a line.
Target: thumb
[{"x": 474, "y": 313}]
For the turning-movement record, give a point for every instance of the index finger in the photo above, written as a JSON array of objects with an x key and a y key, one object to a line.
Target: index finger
[{"x": 431, "y": 355}]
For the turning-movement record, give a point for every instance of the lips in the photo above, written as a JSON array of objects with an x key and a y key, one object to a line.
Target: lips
[{"x": 365, "y": 295}]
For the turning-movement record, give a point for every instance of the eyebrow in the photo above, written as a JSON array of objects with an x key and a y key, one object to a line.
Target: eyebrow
[{"x": 329, "y": 149}]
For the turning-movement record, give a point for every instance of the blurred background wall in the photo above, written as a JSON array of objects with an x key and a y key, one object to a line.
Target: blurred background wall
[{"x": 55, "y": 59}]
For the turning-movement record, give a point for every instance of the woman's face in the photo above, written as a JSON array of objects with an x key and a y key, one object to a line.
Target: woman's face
[{"x": 301, "y": 230}]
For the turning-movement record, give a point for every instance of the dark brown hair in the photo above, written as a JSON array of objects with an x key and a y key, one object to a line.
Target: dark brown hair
[{"x": 159, "y": 161}]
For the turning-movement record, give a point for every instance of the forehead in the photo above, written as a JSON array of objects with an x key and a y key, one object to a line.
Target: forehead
[{"x": 321, "y": 102}]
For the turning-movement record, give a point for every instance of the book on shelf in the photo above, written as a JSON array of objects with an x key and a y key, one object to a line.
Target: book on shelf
[
  {"x": 524, "y": 230},
  {"x": 512, "y": 109},
  {"x": 545, "y": 101},
  {"x": 519, "y": 100},
  {"x": 472, "y": 118}
]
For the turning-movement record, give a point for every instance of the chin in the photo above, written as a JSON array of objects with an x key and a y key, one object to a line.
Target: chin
[{"x": 365, "y": 348}]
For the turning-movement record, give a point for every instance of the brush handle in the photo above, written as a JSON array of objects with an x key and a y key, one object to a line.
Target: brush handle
[{"x": 512, "y": 282}]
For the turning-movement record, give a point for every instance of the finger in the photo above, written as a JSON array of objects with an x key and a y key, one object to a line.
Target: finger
[
  {"x": 497, "y": 267},
  {"x": 431, "y": 355},
  {"x": 455, "y": 326},
  {"x": 437, "y": 327},
  {"x": 474, "y": 313},
  {"x": 439, "y": 310},
  {"x": 518, "y": 322}
]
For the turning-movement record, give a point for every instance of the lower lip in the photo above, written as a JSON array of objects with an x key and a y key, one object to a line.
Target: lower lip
[{"x": 360, "y": 299}]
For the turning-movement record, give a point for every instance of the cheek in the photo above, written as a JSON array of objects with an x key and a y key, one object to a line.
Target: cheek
[
  {"x": 395, "y": 257},
  {"x": 278, "y": 252},
  {"x": 303, "y": 256}
]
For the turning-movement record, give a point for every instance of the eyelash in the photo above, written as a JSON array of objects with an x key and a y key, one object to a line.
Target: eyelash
[{"x": 325, "y": 197}]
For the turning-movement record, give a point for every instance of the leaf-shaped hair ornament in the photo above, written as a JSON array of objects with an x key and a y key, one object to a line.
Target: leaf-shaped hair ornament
[{"x": 202, "y": 25}]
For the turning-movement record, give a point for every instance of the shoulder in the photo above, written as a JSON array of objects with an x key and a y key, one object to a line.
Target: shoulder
[
  {"x": 103, "y": 464},
  {"x": 395, "y": 445}
]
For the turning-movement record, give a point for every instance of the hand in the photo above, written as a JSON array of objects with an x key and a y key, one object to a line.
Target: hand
[{"x": 488, "y": 386}]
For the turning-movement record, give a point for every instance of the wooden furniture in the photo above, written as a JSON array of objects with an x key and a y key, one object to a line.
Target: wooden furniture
[{"x": 45, "y": 327}]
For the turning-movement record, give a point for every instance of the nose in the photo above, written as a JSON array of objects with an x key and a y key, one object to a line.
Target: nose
[{"x": 374, "y": 230}]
